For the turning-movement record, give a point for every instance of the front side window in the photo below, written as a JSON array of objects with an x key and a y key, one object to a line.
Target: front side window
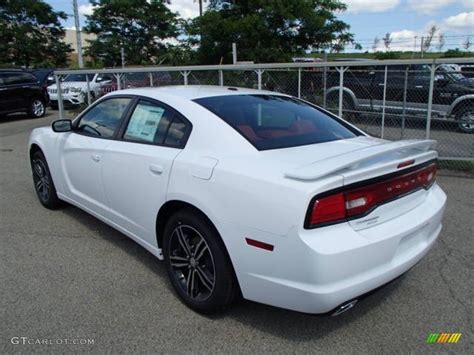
[
  {"x": 103, "y": 119},
  {"x": 272, "y": 122}
]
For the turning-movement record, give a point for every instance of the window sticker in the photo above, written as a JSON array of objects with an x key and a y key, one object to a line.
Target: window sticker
[{"x": 144, "y": 123}]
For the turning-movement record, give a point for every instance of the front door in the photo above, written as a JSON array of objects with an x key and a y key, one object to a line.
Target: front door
[{"x": 83, "y": 150}]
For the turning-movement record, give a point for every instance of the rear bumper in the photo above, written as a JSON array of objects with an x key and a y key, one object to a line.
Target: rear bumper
[{"x": 314, "y": 271}]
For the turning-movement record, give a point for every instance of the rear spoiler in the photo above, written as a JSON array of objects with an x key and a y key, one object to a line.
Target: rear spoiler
[{"x": 354, "y": 159}]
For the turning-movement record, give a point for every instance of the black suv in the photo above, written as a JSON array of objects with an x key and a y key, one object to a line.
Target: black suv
[
  {"x": 21, "y": 91},
  {"x": 453, "y": 93}
]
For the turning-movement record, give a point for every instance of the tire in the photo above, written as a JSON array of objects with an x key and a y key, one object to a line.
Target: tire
[
  {"x": 197, "y": 263},
  {"x": 465, "y": 119},
  {"x": 36, "y": 108},
  {"x": 43, "y": 182}
]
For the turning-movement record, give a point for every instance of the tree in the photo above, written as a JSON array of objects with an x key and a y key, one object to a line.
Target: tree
[
  {"x": 441, "y": 42},
  {"x": 141, "y": 27},
  {"x": 31, "y": 34},
  {"x": 429, "y": 38},
  {"x": 268, "y": 31},
  {"x": 387, "y": 40},
  {"x": 376, "y": 43},
  {"x": 467, "y": 43}
]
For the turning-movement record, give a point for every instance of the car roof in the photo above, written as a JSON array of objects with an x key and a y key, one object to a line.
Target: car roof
[{"x": 192, "y": 92}]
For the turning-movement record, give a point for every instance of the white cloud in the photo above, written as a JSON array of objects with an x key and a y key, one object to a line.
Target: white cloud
[
  {"x": 460, "y": 22},
  {"x": 86, "y": 9},
  {"x": 370, "y": 5},
  {"x": 431, "y": 6},
  {"x": 185, "y": 8}
]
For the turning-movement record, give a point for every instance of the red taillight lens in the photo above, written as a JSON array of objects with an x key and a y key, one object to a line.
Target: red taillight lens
[
  {"x": 355, "y": 202},
  {"x": 327, "y": 209}
]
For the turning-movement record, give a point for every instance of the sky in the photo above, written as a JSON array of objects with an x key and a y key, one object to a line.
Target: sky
[{"x": 404, "y": 19}]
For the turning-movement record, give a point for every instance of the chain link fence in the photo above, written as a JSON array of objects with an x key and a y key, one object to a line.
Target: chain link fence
[{"x": 397, "y": 99}]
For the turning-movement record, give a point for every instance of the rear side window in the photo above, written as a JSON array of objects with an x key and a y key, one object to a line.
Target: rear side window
[
  {"x": 18, "y": 78},
  {"x": 272, "y": 122},
  {"x": 149, "y": 123},
  {"x": 154, "y": 123}
]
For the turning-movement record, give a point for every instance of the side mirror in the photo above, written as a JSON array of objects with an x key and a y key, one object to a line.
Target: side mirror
[
  {"x": 60, "y": 126},
  {"x": 441, "y": 80}
]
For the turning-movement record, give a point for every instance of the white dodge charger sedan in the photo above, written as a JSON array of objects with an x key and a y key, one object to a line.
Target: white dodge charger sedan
[{"x": 246, "y": 193}]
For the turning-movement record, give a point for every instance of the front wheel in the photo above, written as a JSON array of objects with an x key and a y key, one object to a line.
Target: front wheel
[
  {"x": 37, "y": 108},
  {"x": 197, "y": 263},
  {"x": 465, "y": 118},
  {"x": 44, "y": 185}
]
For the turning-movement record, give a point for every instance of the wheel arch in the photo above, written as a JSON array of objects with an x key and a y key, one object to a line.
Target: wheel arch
[
  {"x": 346, "y": 93},
  {"x": 34, "y": 147},
  {"x": 169, "y": 208},
  {"x": 459, "y": 104}
]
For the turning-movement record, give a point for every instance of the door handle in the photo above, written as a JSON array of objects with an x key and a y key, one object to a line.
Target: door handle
[
  {"x": 419, "y": 86},
  {"x": 95, "y": 157},
  {"x": 156, "y": 169}
]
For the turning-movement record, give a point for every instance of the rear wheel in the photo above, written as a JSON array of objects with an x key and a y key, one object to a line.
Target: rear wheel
[
  {"x": 43, "y": 182},
  {"x": 37, "y": 108},
  {"x": 465, "y": 118},
  {"x": 197, "y": 263}
]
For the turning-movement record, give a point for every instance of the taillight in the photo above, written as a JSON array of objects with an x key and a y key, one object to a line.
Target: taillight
[{"x": 357, "y": 201}]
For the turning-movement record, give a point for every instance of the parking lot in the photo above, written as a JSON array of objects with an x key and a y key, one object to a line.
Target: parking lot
[{"x": 66, "y": 275}]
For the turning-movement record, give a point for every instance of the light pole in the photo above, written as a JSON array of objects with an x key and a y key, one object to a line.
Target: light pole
[{"x": 78, "y": 35}]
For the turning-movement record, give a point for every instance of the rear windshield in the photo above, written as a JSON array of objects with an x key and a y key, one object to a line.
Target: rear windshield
[{"x": 272, "y": 122}]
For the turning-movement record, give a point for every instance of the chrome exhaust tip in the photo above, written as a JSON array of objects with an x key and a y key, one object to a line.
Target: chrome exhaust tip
[{"x": 344, "y": 308}]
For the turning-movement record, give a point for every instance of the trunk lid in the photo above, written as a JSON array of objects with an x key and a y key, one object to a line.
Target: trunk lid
[{"x": 361, "y": 159}]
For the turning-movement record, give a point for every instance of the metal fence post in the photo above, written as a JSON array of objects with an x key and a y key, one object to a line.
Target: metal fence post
[
  {"x": 259, "y": 78},
  {"x": 430, "y": 100},
  {"x": 341, "y": 71},
  {"x": 405, "y": 88},
  {"x": 60, "y": 96},
  {"x": 384, "y": 100},
  {"x": 151, "y": 79},
  {"x": 185, "y": 75},
  {"x": 119, "y": 83},
  {"x": 299, "y": 83},
  {"x": 325, "y": 84},
  {"x": 221, "y": 77},
  {"x": 88, "y": 91}
]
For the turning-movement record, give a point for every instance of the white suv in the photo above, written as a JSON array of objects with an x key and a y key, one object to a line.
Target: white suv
[{"x": 74, "y": 88}]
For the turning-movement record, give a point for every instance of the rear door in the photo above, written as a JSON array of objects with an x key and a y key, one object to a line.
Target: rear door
[
  {"x": 82, "y": 152},
  {"x": 136, "y": 167},
  {"x": 12, "y": 92}
]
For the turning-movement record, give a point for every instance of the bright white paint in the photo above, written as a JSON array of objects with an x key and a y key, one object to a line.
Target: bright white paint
[{"x": 263, "y": 195}]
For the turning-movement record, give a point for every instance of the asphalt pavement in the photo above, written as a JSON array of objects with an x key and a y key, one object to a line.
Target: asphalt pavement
[{"x": 68, "y": 282}]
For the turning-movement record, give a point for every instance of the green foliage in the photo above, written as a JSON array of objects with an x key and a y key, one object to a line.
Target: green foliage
[
  {"x": 456, "y": 53},
  {"x": 31, "y": 34},
  {"x": 139, "y": 26},
  {"x": 387, "y": 55},
  {"x": 268, "y": 30}
]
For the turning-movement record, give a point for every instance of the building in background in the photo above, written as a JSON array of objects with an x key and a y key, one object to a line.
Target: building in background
[{"x": 70, "y": 38}]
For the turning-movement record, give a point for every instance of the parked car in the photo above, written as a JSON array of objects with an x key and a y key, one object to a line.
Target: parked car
[
  {"x": 45, "y": 76},
  {"x": 246, "y": 192},
  {"x": 21, "y": 91},
  {"x": 136, "y": 80},
  {"x": 74, "y": 89},
  {"x": 453, "y": 93}
]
